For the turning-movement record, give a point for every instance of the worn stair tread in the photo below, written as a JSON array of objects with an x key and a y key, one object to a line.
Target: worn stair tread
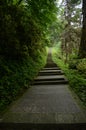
[
  {"x": 50, "y": 77},
  {"x": 44, "y": 126},
  {"x": 50, "y": 71},
  {"x": 45, "y": 78},
  {"x": 51, "y": 68},
  {"x": 50, "y": 82},
  {"x": 50, "y": 65}
]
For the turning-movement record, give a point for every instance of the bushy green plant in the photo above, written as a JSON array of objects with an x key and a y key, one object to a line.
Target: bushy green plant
[
  {"x": 16, "y": 76},
  {"x": 76, "y": 80},
  {"x": 73, "y": 63},
  {"x": 81, "y": 66}
]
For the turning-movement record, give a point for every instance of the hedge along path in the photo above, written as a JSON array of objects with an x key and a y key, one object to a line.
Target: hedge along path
[{"x": 47, "y": 101}]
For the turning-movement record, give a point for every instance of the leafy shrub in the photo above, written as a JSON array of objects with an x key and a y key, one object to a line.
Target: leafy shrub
[
  {"x": 73, "y": 63},
  {"x": 16, "y": 76},
  {"x": 19, "y": 33},
  {"x": 76, "y": 80},
  {"x": 77, "y": 83},
  {"x": 81, "y": 66}
]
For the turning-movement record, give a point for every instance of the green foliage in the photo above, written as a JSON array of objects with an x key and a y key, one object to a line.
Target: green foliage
[
  {"x": 23, "y": 24},
  {"x": 23, "y": 35},
  {"x": 78, "y": 64},
  {"x": 15, "y": 77},
  {"x": 75, "y": 2},
  {"x": 44, "y": 11},
  {"x": 20, "y": 38},
  {"x": 77, "y": 83},
  {"x": 76, "y": 80},
  {"x": 82, "y": 66},
  {"x": 73, "y": 63},
  {"x": 71, "y": 34}
]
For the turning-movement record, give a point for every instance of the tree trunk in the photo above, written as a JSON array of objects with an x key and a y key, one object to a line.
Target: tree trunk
[{"x": 82, "y": 48}]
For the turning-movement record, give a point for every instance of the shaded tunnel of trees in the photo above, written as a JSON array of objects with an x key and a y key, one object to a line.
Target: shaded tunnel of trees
[{"x": 26, "y": 28}]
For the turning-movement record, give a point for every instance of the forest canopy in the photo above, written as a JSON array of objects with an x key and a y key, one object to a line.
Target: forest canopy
[{"x": 24, "y": 24}]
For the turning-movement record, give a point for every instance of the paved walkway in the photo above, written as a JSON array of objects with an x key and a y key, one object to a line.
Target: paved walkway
[{"x": 49, "y": 100}]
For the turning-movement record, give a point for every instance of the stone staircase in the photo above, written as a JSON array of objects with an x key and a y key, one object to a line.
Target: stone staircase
[
  {"x": 51, "y": 74},
  {"x": 47, "y": 105}
]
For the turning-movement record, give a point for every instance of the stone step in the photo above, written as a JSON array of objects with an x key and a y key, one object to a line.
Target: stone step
[
  {"x": 43, "y": 126},
  {"x": 48, "y": 82},
  {"x": 50, "y": 73},
  {"x": 49, "y": 79},
  {"x": 51, "y": 68},
  {"x": 50, "y": 65}
]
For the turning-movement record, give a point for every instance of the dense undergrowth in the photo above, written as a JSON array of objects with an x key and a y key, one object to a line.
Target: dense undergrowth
[
  {"x": 16, "y": 76},
  {"x": 76, "y": 74},
  {"x": 24, "y": 33}
]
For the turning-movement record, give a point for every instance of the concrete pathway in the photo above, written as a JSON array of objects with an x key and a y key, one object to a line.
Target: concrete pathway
[{"x": 48, "y": 101}]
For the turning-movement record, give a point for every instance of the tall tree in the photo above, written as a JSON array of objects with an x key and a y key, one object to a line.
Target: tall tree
[
  {"x": 72, "y": 28},
  {"x": 82, "y": 49}
]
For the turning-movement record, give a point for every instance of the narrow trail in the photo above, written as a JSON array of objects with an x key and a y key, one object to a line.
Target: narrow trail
[{"x": 48, "y": 101}]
